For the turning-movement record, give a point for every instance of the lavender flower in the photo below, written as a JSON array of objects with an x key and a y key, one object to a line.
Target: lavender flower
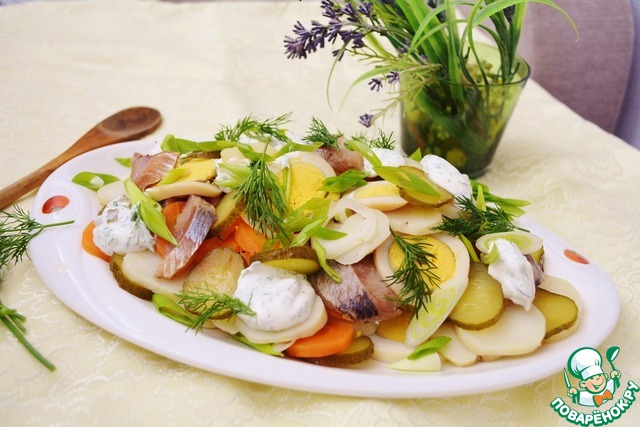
[
  {"x": 366, "y": 120},
  {"x": 393, "y": 77},
  {"x": 375, "y": 84},
  {"x": 346, "y": 23}
]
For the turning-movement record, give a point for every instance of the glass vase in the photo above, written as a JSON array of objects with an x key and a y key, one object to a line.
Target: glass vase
[{"x": 465, "y": 129}]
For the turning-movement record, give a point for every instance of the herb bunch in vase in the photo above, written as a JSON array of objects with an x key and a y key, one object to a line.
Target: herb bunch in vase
[{"x": 456, "y": 94}]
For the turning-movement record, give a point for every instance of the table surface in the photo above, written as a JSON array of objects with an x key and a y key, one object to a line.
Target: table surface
[{"x": 67, "y": 65}]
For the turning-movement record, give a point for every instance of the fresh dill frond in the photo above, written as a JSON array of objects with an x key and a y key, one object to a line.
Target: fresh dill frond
[
  {"x": 476, "y": 222},
  {"x": 383, "y": 141},
  {"x": 265, "y": 202},
  {"x": 211, "y": 305},
  {"x": 251, "y": 127},
  {"x": 318, "y": 133},
  {"x": 416, "y": 273},
  {"x": 17, "y": 229}
]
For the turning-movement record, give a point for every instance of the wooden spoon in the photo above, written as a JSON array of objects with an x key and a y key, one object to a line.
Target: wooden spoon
[{"x": 126, "y": 125}]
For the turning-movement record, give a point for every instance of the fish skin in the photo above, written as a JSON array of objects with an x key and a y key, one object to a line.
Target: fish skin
[
  {"x": 363, "y": 295},
  {"x": 149, "y": 169},
  {"x": 192, "y": 226},
  {"x": 341, "y": 160}
]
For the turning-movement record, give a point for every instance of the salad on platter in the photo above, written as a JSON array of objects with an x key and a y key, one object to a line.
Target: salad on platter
[{"x": 328, "y": 249}]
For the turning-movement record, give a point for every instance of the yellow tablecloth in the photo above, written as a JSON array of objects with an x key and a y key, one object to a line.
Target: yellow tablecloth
[{"x": 66, "y": 65}]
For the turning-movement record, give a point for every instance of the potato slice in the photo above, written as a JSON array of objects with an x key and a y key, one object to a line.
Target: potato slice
[
  {"x": 560, "y": 312},
  {"x": 482, "y": 303},
  {"x": 395, "y": 328},
  {"x": 387, "y": 350},
  {"x": 135, "y": 273},
  {"x": 517, "y": 332},
  {"x": 455, "y": 352},
  {"x": 216, "y": 273}
]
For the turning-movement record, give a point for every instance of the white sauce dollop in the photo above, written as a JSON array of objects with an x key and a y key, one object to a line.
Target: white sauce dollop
[
  {"x": 444, "y": 174},
  {"x": 387, "y": 158},
  {"x": 119, "y": 229},
  {"x": 279, "y": 298},
  {"x": 514, "y": 273}
]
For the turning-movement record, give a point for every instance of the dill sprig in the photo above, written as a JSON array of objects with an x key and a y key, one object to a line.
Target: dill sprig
[
  {"x": 254, "y": 128},
  {"x": 383, "y": 141},
  {"x": 416, "y": 273},
  {"x": 265, "y": 202},
  {"x": 476, "y": 222},
  {"x": 318, "y": 133},
  {"x": 17, "y": 229},
  {"x": 211, "y": 305}
]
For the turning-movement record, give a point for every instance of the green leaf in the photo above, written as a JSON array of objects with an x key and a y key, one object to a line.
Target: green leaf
[
  {"x": 432, "y": 346},
  {"x": 322, "y": 259},
  {"x": 171, "y": 143},
  {"x": 171, "y": 309},
  {"x": 150, "y": 212},
  {"x": 291, "y": 147},
  {"x": 345, "y": 181},
  {"x": 172, "y": 176},
  {"x": 263, "y": 348},
  {"x": 124, "y": 161},
  {"x": 363, "y": 148},
  {"x": 406, "y": 179},
  {"x": 93, "y": 181}
]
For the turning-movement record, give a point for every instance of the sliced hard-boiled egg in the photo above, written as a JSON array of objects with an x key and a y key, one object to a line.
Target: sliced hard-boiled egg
[
  {"x": 381, "y": 195},
  {"x": 365, "y": 229},
  {"x": 450, "y": 265},
  {"x": 306, "y": 172}
]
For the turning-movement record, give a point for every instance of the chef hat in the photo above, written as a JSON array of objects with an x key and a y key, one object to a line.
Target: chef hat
[{"x": 585, "y": 363}]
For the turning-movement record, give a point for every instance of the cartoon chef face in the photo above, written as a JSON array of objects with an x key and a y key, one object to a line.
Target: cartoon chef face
[
  {"x": 595, "y": 384},
  {"x": 586, "y": 364}
]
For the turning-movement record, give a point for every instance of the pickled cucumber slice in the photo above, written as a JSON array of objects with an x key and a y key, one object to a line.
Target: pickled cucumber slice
[
  {"x": 299, "y": 259},
  {"x": 560, "y": 312},
  {"x": 417, "y": 198},
  {"x": 482, "y": 303},
  {"x": 360, "y": 350},
  {"x": 228, "y": 210},
  {"x": 115, "y": 265}
]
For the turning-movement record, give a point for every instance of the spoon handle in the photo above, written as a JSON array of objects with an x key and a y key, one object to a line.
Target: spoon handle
[
  {"x": 30, "y": 182},
  {"x": 126, "y": 125}
]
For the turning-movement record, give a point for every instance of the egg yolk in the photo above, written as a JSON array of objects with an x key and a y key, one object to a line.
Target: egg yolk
[
  {"x": 304, "y": 180},
  {"x": 443, "y": 258}
]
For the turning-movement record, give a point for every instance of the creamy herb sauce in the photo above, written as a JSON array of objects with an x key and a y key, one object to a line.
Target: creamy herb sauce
[
  {"x": 446, "y": 176},
  {"x": 279, "y": 298},
  {"x": 119, "y": 229},
  {"x": 514, "y": 273}
]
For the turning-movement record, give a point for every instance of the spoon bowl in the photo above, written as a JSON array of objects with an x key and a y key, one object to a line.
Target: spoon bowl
[{"x": 126, "y": 125}]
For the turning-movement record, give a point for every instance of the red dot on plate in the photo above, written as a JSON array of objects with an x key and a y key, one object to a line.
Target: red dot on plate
[
  {"x": 575, "y": 256},
  {"x": 55, "y": 203}
]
